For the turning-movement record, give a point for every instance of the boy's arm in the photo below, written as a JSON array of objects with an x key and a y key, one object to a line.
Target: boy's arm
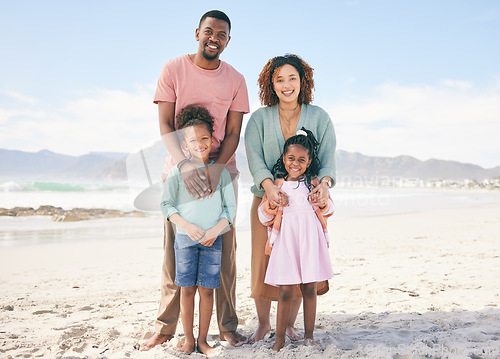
[
  {"x": 228, "y": 209},
  {"x": 212, "y": 233},
  {"x": 169, "y": 200},
  {"x": 228, "y": 197},
  {"x": 193, "y": 231}
]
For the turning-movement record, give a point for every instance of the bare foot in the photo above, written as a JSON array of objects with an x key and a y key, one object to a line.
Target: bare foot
[
  {"x": 205, "y": 348},
  {"x": 292, "y": 334},
  {"x": 259, "y": 334},
  {"x": 309, "y": 342},
  {"x": 155, "y": 340},
  {"x": 278, "y": 344},
  {"x": 234, "y": 338},
  {"x": 186, "y": 345}
]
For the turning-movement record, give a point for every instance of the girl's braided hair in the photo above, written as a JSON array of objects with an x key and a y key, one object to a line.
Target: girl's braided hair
[{"x": 309, "y": 142}]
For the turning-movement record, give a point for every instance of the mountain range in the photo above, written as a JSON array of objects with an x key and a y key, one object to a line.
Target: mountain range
[{"x": 105, "y": 166}]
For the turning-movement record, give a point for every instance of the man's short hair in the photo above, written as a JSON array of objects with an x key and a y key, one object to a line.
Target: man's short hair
[{"x": 216, "y": 14}]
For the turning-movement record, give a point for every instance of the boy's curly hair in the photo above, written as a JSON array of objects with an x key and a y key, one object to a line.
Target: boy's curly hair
[
  {"x": 267, "y": 94},
  {"x": 193, "y": 115}
]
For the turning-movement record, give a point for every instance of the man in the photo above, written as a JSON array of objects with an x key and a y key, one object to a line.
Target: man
[{"x": 202, "y": 79}]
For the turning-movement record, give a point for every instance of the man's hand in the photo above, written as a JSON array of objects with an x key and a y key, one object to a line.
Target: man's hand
[
  {"x": 209, "y": 237},
  {"x": 193, "y": 231},
  {"x": 195, "y": 180},
  {"x": 319, "y": 195},
  {"x": 214, "y": 171}
]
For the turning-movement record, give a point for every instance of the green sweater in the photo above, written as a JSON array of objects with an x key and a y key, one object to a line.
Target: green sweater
[
  {"x": 204, "y": 213},
  {"x": 264, "y": 142}
]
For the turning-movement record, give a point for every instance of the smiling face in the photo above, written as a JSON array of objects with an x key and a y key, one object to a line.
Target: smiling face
[
  {"x": 198, "y": 141},
  {"x": 296, "y": 161},
  {"x": 286, "y": 83},
  {"x": 213, "y": 37}
]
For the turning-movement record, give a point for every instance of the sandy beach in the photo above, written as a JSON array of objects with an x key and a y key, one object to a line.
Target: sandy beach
[{"x": 412, "y": 285}]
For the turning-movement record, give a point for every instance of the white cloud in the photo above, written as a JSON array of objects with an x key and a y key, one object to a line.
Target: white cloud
[
  {"x": 20, "y": 97},
  {"x": 452, "y": 121},
  {"x": 459, "y": 85},
  {"x": 102, "y": 120}
]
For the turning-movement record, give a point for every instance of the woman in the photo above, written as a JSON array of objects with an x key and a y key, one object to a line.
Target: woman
[{"x": 285, "y": 89}]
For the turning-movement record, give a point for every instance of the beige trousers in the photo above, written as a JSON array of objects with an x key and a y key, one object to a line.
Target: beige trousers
[{"x": 225, "y": 295}]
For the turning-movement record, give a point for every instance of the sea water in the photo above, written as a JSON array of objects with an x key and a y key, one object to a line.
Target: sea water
[
  {"x": 37, "y": 230},
  {"x": 66, "y": 195}
]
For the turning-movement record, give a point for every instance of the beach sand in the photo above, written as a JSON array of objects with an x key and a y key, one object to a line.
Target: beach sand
[{"x": 413, "y": 285}]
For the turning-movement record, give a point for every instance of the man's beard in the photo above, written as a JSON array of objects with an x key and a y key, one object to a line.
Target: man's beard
[{"x": 209, "y": 57}]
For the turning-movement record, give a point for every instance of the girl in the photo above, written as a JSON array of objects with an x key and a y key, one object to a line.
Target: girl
[{"x": 297, "y": 234}]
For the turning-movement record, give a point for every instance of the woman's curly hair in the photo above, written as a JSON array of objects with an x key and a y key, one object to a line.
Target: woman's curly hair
[
  {"x": 193, "y": 115},
  {"x": 267, "y": 94},
  {"x": 308, "y": 142}
]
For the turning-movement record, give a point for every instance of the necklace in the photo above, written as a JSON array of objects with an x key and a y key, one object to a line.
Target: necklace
[
  {"x": 211, "y": 163},
  {"x": 289, "y": 124}
]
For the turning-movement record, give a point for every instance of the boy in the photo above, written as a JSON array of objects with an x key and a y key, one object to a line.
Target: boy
[{"x": 199, "y": 223}]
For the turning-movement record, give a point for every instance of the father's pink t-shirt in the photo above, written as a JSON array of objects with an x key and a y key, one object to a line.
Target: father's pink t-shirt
[{"x": 219, "y": 90}]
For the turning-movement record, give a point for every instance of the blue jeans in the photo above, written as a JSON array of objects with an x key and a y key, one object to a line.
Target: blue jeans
[{"x": 196, "y": 264}]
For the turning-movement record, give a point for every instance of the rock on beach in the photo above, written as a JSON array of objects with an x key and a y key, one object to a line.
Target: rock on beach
[{"x": 61, "y": 215}]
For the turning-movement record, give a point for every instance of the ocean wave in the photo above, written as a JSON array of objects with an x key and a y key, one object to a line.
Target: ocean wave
[{"x": 12, "y": 186}]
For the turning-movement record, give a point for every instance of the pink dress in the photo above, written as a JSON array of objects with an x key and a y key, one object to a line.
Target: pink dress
[{"x": 300, "y": 250}]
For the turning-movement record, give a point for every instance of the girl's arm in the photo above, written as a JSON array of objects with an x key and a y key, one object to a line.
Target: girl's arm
[
  {"x": 266, "y": 212},
  {"x": 327, "y": 210}
]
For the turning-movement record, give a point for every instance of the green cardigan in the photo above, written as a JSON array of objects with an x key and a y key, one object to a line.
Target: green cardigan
[{"x": 264, "y": 142}]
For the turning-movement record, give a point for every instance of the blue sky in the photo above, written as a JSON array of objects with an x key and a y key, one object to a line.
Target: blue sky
[{"x": 419, "y": 78}]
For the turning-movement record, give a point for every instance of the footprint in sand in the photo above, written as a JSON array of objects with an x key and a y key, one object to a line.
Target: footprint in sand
[
  {"x": 75, "y": 332},
  {"x": 87, "y": 307},
  {"x": 46, "y": 311}
]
